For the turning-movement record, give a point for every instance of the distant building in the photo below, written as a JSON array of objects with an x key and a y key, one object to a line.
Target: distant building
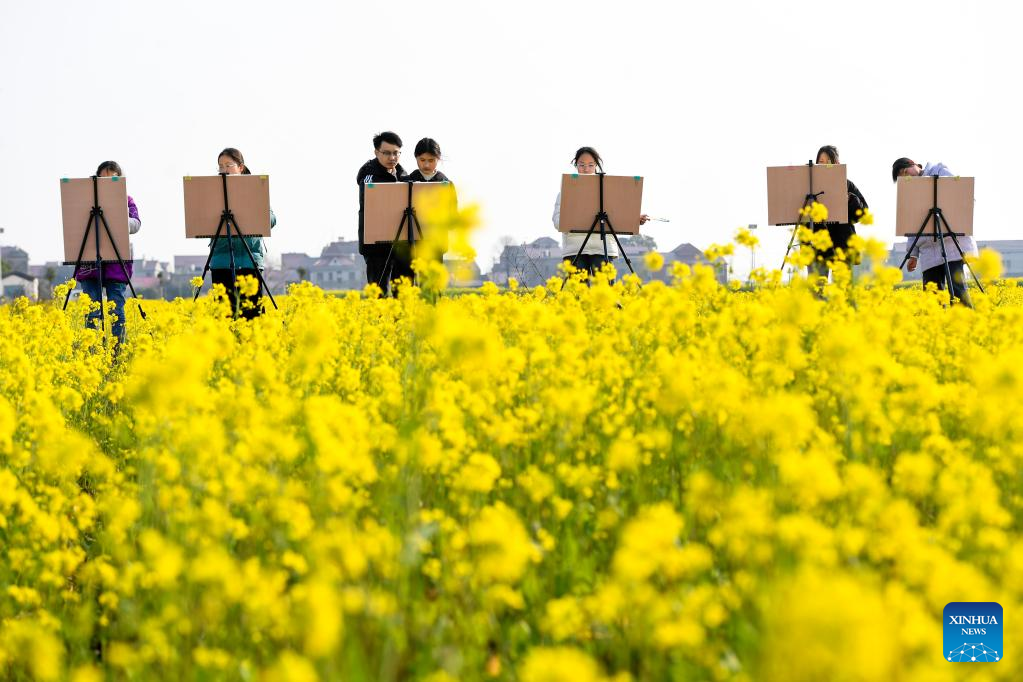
[
  {"x": 339, "y": 266},
  {"x": 531, "y": 264},
  {"x": 1011, "y": 251},
  {"x": 15, "y": 284},
  {"x": 13, "y": 259},
  {"x": 455, "y": 269},
  {"x": 150, "y": 274},
  {"x": 51, "y": 274},
  {"x": 189, "y": 265},
  {"x": 536, "y": 262},
  {"x": 684, "y": 253}
]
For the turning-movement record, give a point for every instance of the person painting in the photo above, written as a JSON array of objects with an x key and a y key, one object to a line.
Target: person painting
[
  {"x": 839, "y": 232},
  {"x": 231, "y": 162},
  {"x": 586, "y": 162},
  {"x": 928, "y": 250},
  {"x": 115, "y": 278},
  {"x": 383, "y": 167}
]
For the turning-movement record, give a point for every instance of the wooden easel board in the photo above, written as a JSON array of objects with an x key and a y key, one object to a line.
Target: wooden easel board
[
  {"x": 787, "y": 187},
  {"x": 915, "y": 199},
  {"x": 384, "y": 204},
  {"x": 248, "y": 197},
  {"x": 76, "y": 200},
  {"x": 580, "y": 202}
]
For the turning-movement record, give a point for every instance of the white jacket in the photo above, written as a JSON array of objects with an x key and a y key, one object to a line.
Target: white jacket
[{"x": 571, "y": 241}]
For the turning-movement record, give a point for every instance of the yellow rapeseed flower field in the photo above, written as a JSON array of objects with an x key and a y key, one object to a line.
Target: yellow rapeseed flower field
[{"x": 608, "y": 482}]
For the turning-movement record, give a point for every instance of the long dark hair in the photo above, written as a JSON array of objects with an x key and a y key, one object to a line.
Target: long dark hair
[
  {"x": 427, "y": 145},
  {"x": 830, "y": 151},
  {"x": 111, "y": 166},
  {"x": 237, "y": 157},
  {"x": 592, "y": 152}
]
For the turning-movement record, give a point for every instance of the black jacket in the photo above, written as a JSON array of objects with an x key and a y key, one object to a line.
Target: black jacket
[
  {"x": 416, "y": 176},
  {"x": 841, "y": 232},
  {"x": 374, "y": 171}
]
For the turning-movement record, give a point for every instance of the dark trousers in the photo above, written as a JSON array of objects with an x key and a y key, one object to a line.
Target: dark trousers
[
  {"x": 840, "y": 234},
  {"x": 590, "y": 262},
  {"x": 249, "y": 306},
  {"x": 959, "y": 290},
  {"x": 400, "y": 266}
]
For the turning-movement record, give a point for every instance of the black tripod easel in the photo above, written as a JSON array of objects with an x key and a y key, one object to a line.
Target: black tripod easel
[
  {"x": 408, "y": 217},
  {"x": 96, "y": 218},
  {"x": 604, "y": 221},
  {"x": 804, "y": 213},
  {"x": 941, "y": 230},
  {"x": 227, "y": 220}
]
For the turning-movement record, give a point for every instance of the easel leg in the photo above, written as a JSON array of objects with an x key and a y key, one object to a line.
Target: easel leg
[
  {"x": 259, "y": 275},
  {"x": 955, "y": 240},
  {"x": 99, "y": 274},
  {"x": 916, "y": 239},
  {"x": 235, "y": 302},
  {"x": 209, "y": 258},
  {"x": 78, "y": 261},
  {"x": 621, "y": 249},
  {"x": 124, "y": 268},
  {"x": 944, "y": 259},
  {"x": 384, "y": 273},
  {"x": 807, "y": 202},
  {"x": 578, "y": 255}
]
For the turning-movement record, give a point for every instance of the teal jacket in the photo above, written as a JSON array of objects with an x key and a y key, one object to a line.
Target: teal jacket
[{"x": 222, "y": 252}]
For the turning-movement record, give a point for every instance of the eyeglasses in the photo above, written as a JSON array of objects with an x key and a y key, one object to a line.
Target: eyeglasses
[
  {"x": 587, "y": 166},
  {"x": 395, "y": 154},
  {"x": 227, "y": 166}
]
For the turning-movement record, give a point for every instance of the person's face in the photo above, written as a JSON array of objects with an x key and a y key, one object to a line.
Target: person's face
[
  {"x": 225, "y": 164},
  {"x": 427, "y": 164},
  {"x": 586, "y": 164},
  {"x": 824, "y": 160},
  {"x": 912, "y": 172},
  {"x": 107, "y": 173},
  {"x": 388, "y": 155}
]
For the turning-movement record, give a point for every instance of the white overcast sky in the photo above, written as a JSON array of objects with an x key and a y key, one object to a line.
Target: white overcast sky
[{"x": 697, "y": 98}]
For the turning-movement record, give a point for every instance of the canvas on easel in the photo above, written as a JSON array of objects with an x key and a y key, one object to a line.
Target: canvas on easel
[
  {"x": 916, "y": 198},
  {"x": 77, "y": 196},
  {"x": 248, "y": 197},
  {"x": 580, "y": 202},
  {"x": 789, "y": 186},
  {"x": 385, "y": 203},
  {"x": 229, "y": 207}
]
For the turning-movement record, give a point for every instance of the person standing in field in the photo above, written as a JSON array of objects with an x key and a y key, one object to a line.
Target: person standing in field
[
  {"x": 231, "y": 162},
  {"x": 927, "y": 253},
  {"x": 383, "y": 167},
  {"x": 115, "y": 278},
  {"x": 587, "y": 162},
  {"x": 839, "y": 232}
]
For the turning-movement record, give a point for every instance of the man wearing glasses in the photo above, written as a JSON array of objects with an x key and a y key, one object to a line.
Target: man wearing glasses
[{"x": 383, "y": 167}]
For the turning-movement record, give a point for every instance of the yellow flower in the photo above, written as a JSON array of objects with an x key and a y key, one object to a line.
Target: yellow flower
[
  {"x": 559, "y": 664},
  {"x": 654, "y": 261},
  {"x": 505, "y": 548},
  {"x": 746, "y": 238},
  {"x": 815, "y": 212},
  {"x": 987, "y": 266},
  {"x": 247, "y": 285}
]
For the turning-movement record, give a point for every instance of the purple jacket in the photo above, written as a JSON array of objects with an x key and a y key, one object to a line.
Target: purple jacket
[{"x": 112, "y": 272}]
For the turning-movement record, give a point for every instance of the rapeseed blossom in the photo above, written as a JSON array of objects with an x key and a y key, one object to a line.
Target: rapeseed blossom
[{"x": 599, "y": 481}]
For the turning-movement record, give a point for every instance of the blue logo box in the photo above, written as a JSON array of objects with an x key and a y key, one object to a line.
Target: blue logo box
[{"x": 973, "y": 632}]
